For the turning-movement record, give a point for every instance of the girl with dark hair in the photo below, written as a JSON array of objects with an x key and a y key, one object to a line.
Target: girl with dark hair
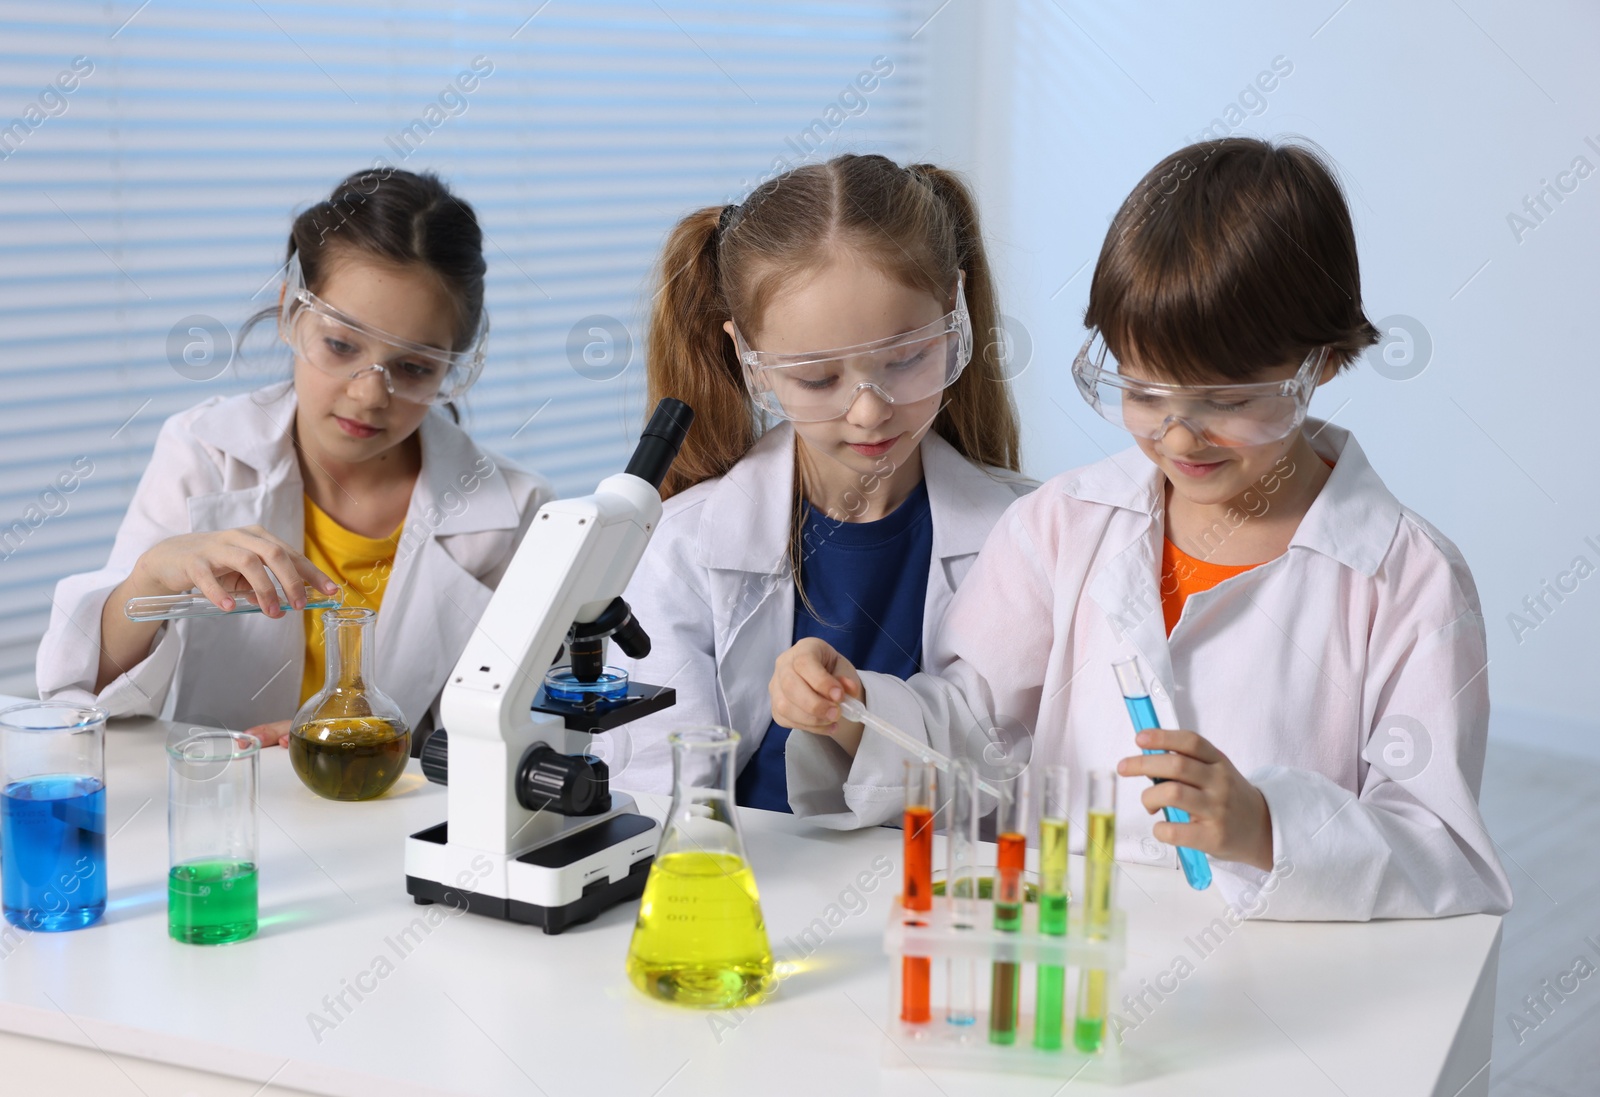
[
  {"x": 854, "y": 442},
  {"x": 348, "y": 476}
]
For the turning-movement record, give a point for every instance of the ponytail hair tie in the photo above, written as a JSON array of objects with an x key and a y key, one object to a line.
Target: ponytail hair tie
[{"x": 727, "y": 215}]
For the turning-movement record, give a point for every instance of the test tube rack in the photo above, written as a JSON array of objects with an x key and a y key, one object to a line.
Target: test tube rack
[{"x": 939, "y": 1044}]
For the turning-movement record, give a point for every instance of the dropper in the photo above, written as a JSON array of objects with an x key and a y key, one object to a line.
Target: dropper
[{"x": 852, "y": 709}]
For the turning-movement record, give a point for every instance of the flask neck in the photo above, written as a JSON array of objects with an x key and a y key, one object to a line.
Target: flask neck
[
  {"x": 703, "y": 770},
  {"x": 703, "y": 817},
  {"x": 347, "y": 635}
]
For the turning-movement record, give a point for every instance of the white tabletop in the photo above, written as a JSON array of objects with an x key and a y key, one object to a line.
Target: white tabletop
[{"x": 485, "y": 1008}]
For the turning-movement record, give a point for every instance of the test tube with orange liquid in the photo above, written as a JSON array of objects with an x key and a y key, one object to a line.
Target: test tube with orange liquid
[
  {"x": 1005, "y": 983},
  {"x": 917, "y": 895}
]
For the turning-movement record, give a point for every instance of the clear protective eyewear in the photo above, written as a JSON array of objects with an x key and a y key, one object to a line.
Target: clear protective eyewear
[
  {"x": 817, "y": 386},
  {"x": 342, "y": 346},
  {"x": 1250, "y": 414}
]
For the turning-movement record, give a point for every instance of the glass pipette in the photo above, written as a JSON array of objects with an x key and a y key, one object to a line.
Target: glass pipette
[
  {"x": 1136, "y": 695},
  {"x": 852, "y": 709}
]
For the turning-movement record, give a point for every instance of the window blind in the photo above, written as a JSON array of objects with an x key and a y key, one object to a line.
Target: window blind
[{"x": 152, "y": 158}]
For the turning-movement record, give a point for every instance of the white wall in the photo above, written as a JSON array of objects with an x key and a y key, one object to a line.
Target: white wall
[{"x": 1441, "y": 119}]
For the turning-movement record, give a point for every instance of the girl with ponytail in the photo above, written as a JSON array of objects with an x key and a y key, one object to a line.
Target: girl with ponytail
[{"x": 855, "y": 440}]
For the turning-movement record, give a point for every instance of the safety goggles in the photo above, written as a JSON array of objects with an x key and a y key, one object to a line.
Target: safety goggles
[
  {"x": 902, "y": 369},
  {"x": 1224, "y": 415},
  {"x": 342, "y": 346}
]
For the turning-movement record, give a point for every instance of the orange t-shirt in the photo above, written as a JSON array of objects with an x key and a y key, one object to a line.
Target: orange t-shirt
[{"x": 1183, "y": 575}]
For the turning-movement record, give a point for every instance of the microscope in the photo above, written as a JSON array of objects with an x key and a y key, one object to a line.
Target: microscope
[{"x": 534, "y": 833}]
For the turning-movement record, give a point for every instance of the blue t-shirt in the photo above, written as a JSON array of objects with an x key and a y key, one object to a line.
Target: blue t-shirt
[{"x": 866, "y": 582}]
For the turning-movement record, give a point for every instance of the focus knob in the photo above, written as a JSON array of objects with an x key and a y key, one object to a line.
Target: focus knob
[
  {"x": 567, "y": 784},
  {"x": 436, "y": 757}
]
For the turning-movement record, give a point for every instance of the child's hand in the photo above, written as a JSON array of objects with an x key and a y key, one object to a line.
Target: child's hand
[
  {"x": 1228, "y": 816},
  {"x": 230, "y": 564},
  {"x": 275, "y": 734},
  {"x": 808, "y": 682}
]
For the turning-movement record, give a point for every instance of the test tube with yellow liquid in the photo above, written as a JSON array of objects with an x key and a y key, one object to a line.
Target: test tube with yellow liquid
[
  {"x": 1051, "y": 983},
  {"x": 1099, "y": 847},
  {"x": 700, "y": 939}
]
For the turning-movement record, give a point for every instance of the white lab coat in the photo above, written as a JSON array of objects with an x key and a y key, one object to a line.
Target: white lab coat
[
  {"x": 231, "y": 462},
  {"x": 715, "y": 594},
  {"x": 1345, "y": 679}
]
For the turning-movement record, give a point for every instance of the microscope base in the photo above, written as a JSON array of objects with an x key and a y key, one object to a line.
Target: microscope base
[{"x": 561, "y": 883}]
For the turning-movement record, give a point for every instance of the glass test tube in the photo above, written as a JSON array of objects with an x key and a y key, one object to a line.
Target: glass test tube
[
  {"x": 178, "y": 607},
  {"x": 1099, "y": 852},
  {"x": 53, "y": 815},
  {"x": 961, "y": 887},
  {"x": 213, "y": 785},
  {"x": 1052, "y": 978},
  {"x": 1012, "y": 852},
  {"x": 918, "y": 892},
  {"x": 1136, "y": 696}
]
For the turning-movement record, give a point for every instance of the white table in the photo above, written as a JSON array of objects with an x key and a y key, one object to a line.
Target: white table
[{"x": 485, "y": 1008}]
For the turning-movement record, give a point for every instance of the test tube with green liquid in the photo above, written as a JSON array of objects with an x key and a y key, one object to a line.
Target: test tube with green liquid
[
  {"x": 1052, "y": 978},
  {"x": 1011, "y": 840},
  {"x": 1099, "y": 847}
]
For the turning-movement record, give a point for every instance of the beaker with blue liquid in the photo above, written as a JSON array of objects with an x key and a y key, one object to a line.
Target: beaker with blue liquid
[{"x": 53, "y": 815}]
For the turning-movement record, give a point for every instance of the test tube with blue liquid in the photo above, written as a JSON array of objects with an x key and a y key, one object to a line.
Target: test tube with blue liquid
[
  {"x": 1136, "y": 695},
  {"x": 53, "y": 815}
]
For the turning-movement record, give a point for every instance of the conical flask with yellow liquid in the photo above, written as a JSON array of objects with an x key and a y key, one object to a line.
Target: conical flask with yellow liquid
[{"x": 700, "y": 939}]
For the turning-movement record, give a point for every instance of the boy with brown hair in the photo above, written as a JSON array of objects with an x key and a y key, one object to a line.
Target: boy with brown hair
[{"x": 1322, "y": 645}]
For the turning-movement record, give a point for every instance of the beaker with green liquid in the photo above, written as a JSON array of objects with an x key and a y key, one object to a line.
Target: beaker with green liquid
[
  {"x": 700, "y": 939},
  {"x": 213, "y": 784}
]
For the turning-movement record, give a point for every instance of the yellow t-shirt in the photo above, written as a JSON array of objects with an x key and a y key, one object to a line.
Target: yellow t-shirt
[{"x": 360, "y": 565}]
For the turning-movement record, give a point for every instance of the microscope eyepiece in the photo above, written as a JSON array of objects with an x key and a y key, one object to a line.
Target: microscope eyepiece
[{"x": 660, "y": 441}]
